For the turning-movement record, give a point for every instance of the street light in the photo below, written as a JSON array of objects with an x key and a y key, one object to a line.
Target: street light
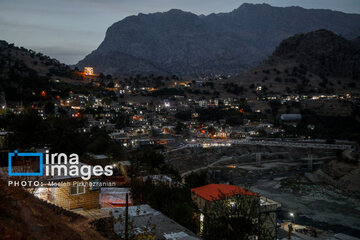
[{"x": 293, "y": 216}]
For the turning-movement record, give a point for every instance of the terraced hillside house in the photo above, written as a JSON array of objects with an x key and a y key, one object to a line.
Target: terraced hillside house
[
  {"x": 72, "y": 193},
  {"x": 236, "y": 204}
]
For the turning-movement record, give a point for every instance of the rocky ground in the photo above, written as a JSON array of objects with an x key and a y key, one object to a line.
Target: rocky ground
[
  {"x": 318, "y": 205},
  {"x": 328, "y": 198},
  {"x": 23, "y": 216}
]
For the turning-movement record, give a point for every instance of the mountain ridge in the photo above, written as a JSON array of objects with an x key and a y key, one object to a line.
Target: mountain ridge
[
  {"x": 317, "y": 62},
  {"x": 184, "y": 43},
  {"x": 323, "y": 52}
]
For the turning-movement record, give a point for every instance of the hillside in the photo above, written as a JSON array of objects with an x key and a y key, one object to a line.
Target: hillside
[
  {"x": 356, "y": 42},
  {"x": 24, "y": 216},
  {"x": 128, "y": 65},
  {"x": 323, "y": 52},
  {"x": 315, "y": 62},
  {"x": 11, "y": 56},
  {"x": 25, "y": 73},
  {"x": 226, "y": 43},
  {"x": 343, "y": 175}
]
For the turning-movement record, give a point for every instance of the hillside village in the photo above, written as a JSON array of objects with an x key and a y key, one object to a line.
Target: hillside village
[{"x": 266, "y": 154}]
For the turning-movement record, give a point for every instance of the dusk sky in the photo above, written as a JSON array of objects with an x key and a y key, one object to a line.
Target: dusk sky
[{"x": 70, "y": 29}]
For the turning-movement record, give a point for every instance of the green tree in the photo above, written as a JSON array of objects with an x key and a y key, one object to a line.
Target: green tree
[
  {"x": 179, "y": 127},
  {"x": 231, "y": 218},
  {"x": 211, "y": 130},
  {"x": 174, "y": 202},
  {"x": 49, "y": 108},
  {"x": 194, "y": 180}
]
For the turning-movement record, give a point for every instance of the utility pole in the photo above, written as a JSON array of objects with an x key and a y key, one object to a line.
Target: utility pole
[
  {"x": 127, "y": 217},
  {"x": 310, "y": 159},
  {"x": 258, "y": 155}
]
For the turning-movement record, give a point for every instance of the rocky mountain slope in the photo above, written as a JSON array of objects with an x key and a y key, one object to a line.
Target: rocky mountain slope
[
  {"x": 315, "y": 62},
  {"x": 323, "y": 52},
  {"x": 225, "y": 43}
]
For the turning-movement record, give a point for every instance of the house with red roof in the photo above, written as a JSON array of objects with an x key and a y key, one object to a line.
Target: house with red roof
[
  {"x": 261, "y": 209},
  {"x": 213, "y": 192}
]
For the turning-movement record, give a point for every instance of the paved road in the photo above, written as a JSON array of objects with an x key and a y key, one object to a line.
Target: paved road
[{"x": 231, "y": 142}]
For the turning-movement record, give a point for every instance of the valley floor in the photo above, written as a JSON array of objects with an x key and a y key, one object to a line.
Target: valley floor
[{"x": 315, "y": 205}]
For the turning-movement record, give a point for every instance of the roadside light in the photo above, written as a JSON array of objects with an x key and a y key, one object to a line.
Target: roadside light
[{"x": 293, "y": 217}]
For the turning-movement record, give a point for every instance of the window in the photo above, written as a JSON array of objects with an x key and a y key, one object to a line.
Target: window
[
  {"x": 81, "y": 189},
  {"x": 77, "y": 189},
  {"x": 73, "y": 190}
]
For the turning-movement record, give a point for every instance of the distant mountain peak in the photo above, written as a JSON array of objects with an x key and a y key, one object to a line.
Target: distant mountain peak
[
  {"x": 245, "y": 5},
  {"x": 176, "y": 11},
  {"x": 321, "y": 51},
  {"x": 253, "y": 6},
  {"x": 184, "y": 43},
  {"x": 312, "y": 42}
]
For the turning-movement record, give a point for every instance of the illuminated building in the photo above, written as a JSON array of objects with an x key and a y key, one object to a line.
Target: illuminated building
[
  {"x": 89, "y": 71},
  {"x": 238, "y": 203}
]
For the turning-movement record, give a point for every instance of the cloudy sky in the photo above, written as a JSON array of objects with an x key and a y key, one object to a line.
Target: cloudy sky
[{"x": 70, "y": 29}]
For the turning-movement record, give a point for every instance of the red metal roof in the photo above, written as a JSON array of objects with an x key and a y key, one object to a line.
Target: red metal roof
[{"x": 213, "y": 192}]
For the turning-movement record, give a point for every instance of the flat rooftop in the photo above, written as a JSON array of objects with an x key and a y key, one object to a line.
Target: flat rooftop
[{"x": 166, "y": 228}]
